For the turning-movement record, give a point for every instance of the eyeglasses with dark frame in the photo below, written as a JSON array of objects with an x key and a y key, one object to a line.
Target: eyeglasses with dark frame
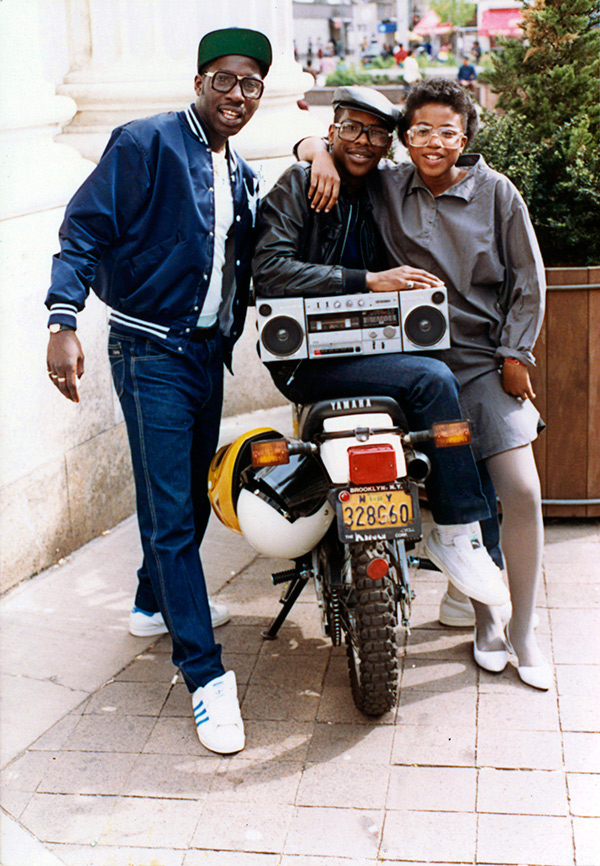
[
  {"x": 252, "y": 88},
  {"x": 420, "y": 136},
  {"x": 351, "y": 130}
]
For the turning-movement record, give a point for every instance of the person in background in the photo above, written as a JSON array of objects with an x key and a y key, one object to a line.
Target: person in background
[
  {"x": 410, "y": 68},
  {"x": 163, "y": 232},
  {"x": 400, "y": 53},
  {"x": 467, "y": 75}
]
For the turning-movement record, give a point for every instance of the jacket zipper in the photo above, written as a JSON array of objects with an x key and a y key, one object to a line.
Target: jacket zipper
[{"x": 347, "y": 231}]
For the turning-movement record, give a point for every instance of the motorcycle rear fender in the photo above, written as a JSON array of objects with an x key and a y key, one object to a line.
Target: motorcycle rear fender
[{"x": 334, "y": 452}]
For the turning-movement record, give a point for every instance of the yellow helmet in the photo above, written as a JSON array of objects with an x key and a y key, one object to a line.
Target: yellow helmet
[{"x": 224, "y": 474}]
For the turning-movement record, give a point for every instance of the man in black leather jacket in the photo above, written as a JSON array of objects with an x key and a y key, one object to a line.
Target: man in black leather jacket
[{"x": 304, "y": 253}]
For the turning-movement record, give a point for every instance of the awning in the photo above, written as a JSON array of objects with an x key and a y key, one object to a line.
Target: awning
[
  {"x": 431, "y": 25},
  {"x": 500, "y": 22}
]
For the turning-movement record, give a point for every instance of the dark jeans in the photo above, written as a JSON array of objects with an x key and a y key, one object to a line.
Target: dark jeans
[
  {"x": 427, "y": 392},
  {"x": 490, "y": 527},
  {"x": 172, "y": 408}
]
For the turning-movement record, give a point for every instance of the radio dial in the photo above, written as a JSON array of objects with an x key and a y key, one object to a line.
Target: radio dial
[
  {"x": 361, "y": 303},
  {"x": 337, "y": 304},
  {"x": 389, "y": 332},
  {"x": 373, "y": 335}
]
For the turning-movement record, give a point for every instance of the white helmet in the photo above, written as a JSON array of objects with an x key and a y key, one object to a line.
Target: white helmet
[
  {"x": 283, "y": 510},
  {"x": 274, "y": 535}
]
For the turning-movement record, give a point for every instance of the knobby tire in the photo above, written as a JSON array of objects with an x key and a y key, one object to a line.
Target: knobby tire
[{"x": 371, "y": 643}]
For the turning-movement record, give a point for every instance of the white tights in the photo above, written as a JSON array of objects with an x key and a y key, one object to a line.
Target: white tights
[{"x": 517, "y": 484}]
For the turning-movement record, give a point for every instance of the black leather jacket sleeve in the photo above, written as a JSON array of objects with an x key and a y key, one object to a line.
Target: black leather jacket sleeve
[{"x": 298, "y": 251}]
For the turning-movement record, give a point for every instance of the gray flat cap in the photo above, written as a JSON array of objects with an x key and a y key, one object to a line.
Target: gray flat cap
[{"x": 367, "y": 99}]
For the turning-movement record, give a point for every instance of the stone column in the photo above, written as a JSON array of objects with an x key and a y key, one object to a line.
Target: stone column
[
  {"x": 52, "y": 492},
  {"x": 124, "y": 66}
]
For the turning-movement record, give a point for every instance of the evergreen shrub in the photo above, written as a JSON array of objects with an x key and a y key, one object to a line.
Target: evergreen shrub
[{"x": 546, "y": 139}]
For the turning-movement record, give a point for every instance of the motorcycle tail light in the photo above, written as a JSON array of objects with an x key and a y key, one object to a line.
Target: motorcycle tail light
[
  {"x": 372, "y": 464},
  {"x": 451, "y": 433},
  {"x": 377, "y": 568},
  {"x": 271, "y": 453}
]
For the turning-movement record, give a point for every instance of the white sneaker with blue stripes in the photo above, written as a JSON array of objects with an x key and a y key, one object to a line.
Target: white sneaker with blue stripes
[
  {"x": 217, "y": 715},
  {"x": 143, "y": 624}
]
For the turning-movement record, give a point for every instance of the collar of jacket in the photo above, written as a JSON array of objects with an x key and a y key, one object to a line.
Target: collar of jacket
[
  {"x": 465, "y": 188},
  {"x": 345, "y": 201},
  {"x": 200, "y": 132}
]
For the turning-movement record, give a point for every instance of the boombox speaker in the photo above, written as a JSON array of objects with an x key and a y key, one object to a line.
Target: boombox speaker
[{"x": 424, "y": 320}]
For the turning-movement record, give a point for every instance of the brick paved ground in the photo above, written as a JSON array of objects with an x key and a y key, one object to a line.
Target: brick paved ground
[{"x": 102, "y": 766}]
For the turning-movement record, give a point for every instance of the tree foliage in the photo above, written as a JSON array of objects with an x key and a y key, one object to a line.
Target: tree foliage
[
  {"x": 546, "y": 140},
  {"x": 458, "y": 12},
  {"x": 559, "y": 179}
]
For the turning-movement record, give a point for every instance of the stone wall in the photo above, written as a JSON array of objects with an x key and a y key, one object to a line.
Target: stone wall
[{"x": 65, "y": 469}]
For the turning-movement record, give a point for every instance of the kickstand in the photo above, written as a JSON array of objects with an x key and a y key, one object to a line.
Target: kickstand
[{"x": 288, "y": 600}]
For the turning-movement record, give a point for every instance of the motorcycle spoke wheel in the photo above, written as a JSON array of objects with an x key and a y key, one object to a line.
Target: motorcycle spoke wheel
[{"x": 370, "y": 625}]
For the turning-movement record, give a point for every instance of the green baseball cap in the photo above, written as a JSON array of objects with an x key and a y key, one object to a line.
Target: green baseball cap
[{"x": 236, "y": 40}]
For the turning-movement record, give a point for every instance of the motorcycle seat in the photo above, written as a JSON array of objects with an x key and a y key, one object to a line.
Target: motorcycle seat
[{"x": 312, "y": 415}]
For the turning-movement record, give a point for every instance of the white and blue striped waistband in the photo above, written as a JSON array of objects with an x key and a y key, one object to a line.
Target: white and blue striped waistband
[{"x": 160, "y": 331}]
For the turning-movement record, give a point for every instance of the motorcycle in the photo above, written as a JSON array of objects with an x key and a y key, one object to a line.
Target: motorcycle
[{"x": 340, "y": 499}]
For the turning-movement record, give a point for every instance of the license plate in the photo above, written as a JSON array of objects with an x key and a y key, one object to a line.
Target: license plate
[{"x": 380, "y": 511}]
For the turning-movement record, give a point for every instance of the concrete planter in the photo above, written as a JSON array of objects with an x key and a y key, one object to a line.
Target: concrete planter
[{"x": 567, "y": 384}]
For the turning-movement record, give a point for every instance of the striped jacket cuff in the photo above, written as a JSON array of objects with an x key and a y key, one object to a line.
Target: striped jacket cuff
[{"x": 64, "y": 314}]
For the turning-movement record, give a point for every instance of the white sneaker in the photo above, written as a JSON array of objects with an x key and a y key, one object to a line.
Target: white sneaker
[
  {"x": 142, "y": 624},
  {"x": 457, "y": 614},
  {"x": 219, "y": 613},
  {"x": 460, "y": 614},
  {"x": 217, "y": 715},
  {"x": 468, "y": 566}
]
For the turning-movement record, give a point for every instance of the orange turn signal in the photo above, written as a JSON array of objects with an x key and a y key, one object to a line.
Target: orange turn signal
[
  {"x": 271, "y": 453},
  {"x": 451, "y": 433}
]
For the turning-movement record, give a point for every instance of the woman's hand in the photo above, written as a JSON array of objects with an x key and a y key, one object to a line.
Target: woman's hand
[
  {"x": 401, "y": 278},
  {"x": 324, "y": 187},
  {"x": 516, "y": 381}
]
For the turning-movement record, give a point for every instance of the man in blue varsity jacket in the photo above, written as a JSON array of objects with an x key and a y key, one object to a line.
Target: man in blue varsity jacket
[{"x": 163, "y": 232}]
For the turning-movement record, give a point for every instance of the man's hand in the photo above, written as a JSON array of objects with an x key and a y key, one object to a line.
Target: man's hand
[
  {"x": 401, "y": 278},
  {"x": 64, "y": 360},
  {"x": 516, "y": 381},
  {"x": 324, "y": 187}
]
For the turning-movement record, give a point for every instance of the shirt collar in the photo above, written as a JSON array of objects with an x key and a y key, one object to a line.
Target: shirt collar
[
  {"x": 199, "y": 132},
  {"x": 465, "y": 188}
]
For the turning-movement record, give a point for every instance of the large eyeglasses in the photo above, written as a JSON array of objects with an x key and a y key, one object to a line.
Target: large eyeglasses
[
  {"x": 420, "y": 136},
  {"x": 351, "y": 130},
  {"x": 252, "y": 88}
]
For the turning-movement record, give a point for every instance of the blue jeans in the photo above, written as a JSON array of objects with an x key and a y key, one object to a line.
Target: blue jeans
[
  {"x": 172, "y": 408},
  {"x": 490, "y": 528},
  {"x": 427, "y": 391}
]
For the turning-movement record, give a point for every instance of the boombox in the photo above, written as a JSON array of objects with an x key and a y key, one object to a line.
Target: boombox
[{"x": 345, "y": 325}]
